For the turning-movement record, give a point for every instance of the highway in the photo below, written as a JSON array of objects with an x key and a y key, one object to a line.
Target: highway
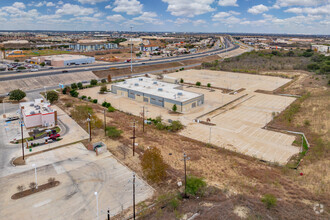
[{"x": 72, "y": 69}]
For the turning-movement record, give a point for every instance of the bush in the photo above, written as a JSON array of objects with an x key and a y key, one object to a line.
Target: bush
[
  {"x": 74, "y": 93},
  {"x": 74, "y": 86},
  {"x": 111, "y": 109},
  {"x": 113, "y": 132},
  {"x": 32, "y": 186},
  {"x": 106, "y": 104},
  {"x": 66, "y": 90},
  {"x": 161, "y": 126},
  {"x": 52, "y": 96},
  {"x": 94, "y": 100},
  {"x": 307, "y": 123},
  {"x": 209, "y": 85},
  {"x": 153, "y": 165},
  {"x": 83, "y": 97},
  {"x": 195, "y": 185},
  {"x": 174, "y": 203},
  {"x": 103, "y": 81},
  {"x": 269, "y": 200},
  {"x": 103, "y": 89},
  {"x": 80, "y": 85},
  {"x": 89, "y": 97},
  {"x": 175, "y": 126},
  {"x": 174, "y": 108},
  {"x": 93, "y": 82},
  {"x": 17, "y": 95},
  {"x": 198, "y": 83}
]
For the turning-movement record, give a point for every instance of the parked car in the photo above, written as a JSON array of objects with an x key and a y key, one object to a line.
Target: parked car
[
  {"x": 64, "y": 71},
  {"x": 54, "y": 136},
  {"x": 12, "y": 118},
  {"x": 34, "y": 70}
]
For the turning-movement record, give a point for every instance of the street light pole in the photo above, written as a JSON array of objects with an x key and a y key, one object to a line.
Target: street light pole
[
  {"x": 97, "y": 205},
  {"x": 89, "y": 127},
  {"x": 131, "y": 52},
  {"x": 134, "y": 196},
  {"x": 22, "y": 139},
  {"x": 35, "y": 174}
]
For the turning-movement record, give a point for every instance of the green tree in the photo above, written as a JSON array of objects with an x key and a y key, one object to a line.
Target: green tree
[
  {"x": 198, "y": 83},
  {"x": 80, "y": 85},
  {"x": 74, "y": 93},
  {"x": 174, "y": 108},
  {"x": 209, "y": 85},
  {"x": 17, "y": 95},
  {"x": 21, "y": 68},
  {"x": 103, "y": 81},
  {"x": 42, "y": 64},
  {"x": 181, "y": 80},
  {"x": 74, "y": 86},
  {"x": 66, "y": 89},
  {"x": 153, "y": 165},
  {"x": 93, "y": 82},
  {"x": 52, "y": 96}
]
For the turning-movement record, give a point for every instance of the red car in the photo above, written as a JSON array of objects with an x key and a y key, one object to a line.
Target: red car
[{"x": 54, "y": 136}]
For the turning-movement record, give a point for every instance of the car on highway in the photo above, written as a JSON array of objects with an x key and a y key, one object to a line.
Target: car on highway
[
  {"x": 50, "y": 67},
  {"x": 34, "y": 70},
  {"x": 12, "y": 118},
  {"x": 65, "y": 71},
  {"x": 143, "y": 63}
]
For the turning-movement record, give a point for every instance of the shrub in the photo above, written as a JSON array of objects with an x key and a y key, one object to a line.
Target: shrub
[
  {"x": 161, "y": 126},
  {"x": 93, "y": 82},
  {"x": 66, "y": 90},
  {"x": 74, "y": 93},
  {"x": 52, "y": 96},
  {"x": 113, "y": 132},
  {"x": 111, "y": 109},
  {"x": 94, "y": 100},
  {"x": 198, "y": 83},
  {"x": 103, "y": 81},
  {"x": 74, "y": 86},
  {"x": 103, "y": 89},
  {"x": 51, "y": 180},
  {"x": 269, "y": 200},
  {"x": 80, "y": 85},
  {"x": 153, "y": 165},
  {"x": 32, "y": 185},
  {"x": 89, "y": 97},
  {"x": 175, "y": 126},
  {"x": 17, "y": 95},
  {"x": 181, "y": 80},
  {"x": 174, "y": 203},
  {"x": 195, "y": 185},
  {"x": 209, "y": 85},
  {"x": 307, "y": 123},
  {"x": 20, "y": 188},
  {"x": 83, "y": 97}
]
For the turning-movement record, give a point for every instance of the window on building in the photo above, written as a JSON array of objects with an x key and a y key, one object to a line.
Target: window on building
[
  {"x": 193, "y": 105},
  {"x": 145, "y": 99}
]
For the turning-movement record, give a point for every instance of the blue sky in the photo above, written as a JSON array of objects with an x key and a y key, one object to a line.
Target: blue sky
[{"x": 250, "y": 16}]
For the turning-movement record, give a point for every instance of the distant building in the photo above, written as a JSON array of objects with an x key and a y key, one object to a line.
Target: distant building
[
  {"x": 149, "y": 48},
  {"x": 158, "y": 93},
  {"x": 321, "y": 48},
  {"x": 38, "y": 114},
  {"x": 93, "y": 47},
  {"x": 63, "y": 60}
]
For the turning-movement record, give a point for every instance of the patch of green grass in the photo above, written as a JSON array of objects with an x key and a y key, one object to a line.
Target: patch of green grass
[{"x": 269, "y": 200}]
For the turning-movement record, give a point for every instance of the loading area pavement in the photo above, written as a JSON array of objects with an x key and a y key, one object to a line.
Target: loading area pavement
[
  {"x": 80, "y": 173},
  {"x": 238, "y": 118}
]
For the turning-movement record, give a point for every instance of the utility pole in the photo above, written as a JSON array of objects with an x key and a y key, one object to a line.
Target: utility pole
[
  {"x": 108, "y": 214},
  {"x": 105, "y": 124},
  {"x": 22, "y": 138},
  {"x": 89, "y": 127},
  {"x": 185, "y": 158},
  {"x": 133, "y": 138},
  {"x": 143, "y": 119},
  {"x": 210, "y": 135},
  {"x": 134, "y": 196},
  {"x": 131, "y": 52}
]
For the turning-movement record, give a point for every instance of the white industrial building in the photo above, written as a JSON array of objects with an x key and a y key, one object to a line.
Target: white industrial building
[
  {"x": 158, "y": 93},
  {"x": 63, "y": 60}
]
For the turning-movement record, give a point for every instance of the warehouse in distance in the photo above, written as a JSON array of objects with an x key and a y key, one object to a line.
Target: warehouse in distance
[{"x": 63, "y": 60}]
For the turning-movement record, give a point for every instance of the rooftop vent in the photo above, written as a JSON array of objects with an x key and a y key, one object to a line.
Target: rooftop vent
[
  {"x": 140, "y": 79},
  {"x": 31, "y": 104},
  {"x": 160, "y": 89},
  {"x": 32, "y": 113},
  {"x": 136, "y": 84},
  {"x": 155, "y": 83},
  {"x": 180, "y": 93}
]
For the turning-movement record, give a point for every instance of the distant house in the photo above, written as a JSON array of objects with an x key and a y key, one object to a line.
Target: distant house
[
  {"x": 38, "y": 114},
  {"x": 149, "y": 48},
  {"x": 321, "y": 48}
]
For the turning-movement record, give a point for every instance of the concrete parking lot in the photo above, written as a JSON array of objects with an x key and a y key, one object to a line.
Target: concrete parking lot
[
  {"x": 81, "y": 173},
  {"x": 238, "y": 126}
]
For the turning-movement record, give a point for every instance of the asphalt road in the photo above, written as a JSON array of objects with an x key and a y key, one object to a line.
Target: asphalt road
[{"x": 121, "y": 65}]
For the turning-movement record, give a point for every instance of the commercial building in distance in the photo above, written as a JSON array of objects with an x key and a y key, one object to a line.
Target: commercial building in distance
[
  {"x": 63, "y": 60},
  {"x": 158, "y": 93},
  {"x": 38, "y": 114},
  {"x": 93, "y": 47}
]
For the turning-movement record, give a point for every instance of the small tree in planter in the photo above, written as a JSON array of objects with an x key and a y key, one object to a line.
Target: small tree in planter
[
  {"x": 181, "y": 80},
  {"x": 33, "y": 186},
  {"x": 103, "y": 89},
  {"x": 209, "y": 85},
  {"x": 20, "y": 188},
  {"x": 174, "y": 108},
  {"x": 51, "y": 181},
  {"x": 198, "y": 83}
]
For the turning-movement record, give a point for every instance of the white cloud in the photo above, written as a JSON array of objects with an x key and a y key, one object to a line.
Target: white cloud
[
  {"x": 148, "y": 17},
  {"x": 221, "y": 15},
  {"x": 227, "y": 3},
  {"x": 189, "y": 8},
  {"x": 130, "y": 7},
  {"x": 19, "y": 5},
  {"x": 108, "y": 7},
  {"x": 115, "y": 18},
  {"x": 258, "y": 9},
  {"x": 75, "y": 10},
  {"x": 50, "y": 4},
  {"x": 99, "y": 14},
  {"x": 92, "y": 2},
  {"x": 180, "y": 21},
  {"x": 313, "y": 11},
  {"x": 199, "y": 22},
  {"x": 288, "y": 3}
]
